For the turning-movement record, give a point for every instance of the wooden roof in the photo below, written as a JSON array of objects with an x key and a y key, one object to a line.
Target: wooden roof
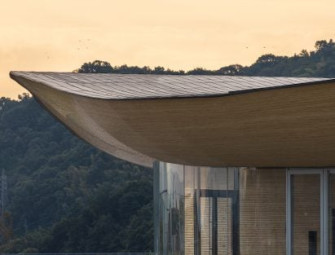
[
  {"x": 139, "y": 86},
  {"x": 196, "y": 120}
]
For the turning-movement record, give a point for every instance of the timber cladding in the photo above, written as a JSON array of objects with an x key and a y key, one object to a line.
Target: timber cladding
[
  {"x": 282, "y": 127},
  {"x": 66, "y": 108}
]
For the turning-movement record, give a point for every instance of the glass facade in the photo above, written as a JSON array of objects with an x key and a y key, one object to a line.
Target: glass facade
[
  {"x": 306, "y": 214},
  {"x": 262, "y": 211},
  {"x": 244, "y": 211},
  {"x": 214, "y": 211},
  {"x": 331, "y": 214}
]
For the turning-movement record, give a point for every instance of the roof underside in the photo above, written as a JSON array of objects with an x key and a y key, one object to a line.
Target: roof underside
[
  {"x": 139, "y": 86},
  {"x": 203, "y": 120}
]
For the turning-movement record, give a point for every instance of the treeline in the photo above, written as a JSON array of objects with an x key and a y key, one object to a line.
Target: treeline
[
  {"x": 66, "y": 196},
  {"x": 317, "y": 63},
  {"x": 63, "y": 194}
]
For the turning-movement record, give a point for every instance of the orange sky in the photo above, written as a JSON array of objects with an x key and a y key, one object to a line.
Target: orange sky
[{"x": 60, "y": 35}]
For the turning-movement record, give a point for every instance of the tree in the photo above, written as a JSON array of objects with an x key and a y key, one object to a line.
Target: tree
[
  {"x": 96, "y": 66},
  {"x": 319, "y": 45},
  {"x": 230, "y": 70}
]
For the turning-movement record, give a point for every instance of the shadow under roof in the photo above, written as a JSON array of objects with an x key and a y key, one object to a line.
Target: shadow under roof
[
  {"x": 203, "y": 120},
  {"x": 139, "y": 86}
]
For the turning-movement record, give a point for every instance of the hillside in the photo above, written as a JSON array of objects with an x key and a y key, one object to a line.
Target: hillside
[{"x": 63, "y": 195}]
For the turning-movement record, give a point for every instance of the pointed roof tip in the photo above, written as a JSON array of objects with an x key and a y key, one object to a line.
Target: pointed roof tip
[{"x": 12, "y": 74}]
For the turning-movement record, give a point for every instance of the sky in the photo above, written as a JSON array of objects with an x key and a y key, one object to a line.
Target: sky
[{"x": 61, "y": 35}]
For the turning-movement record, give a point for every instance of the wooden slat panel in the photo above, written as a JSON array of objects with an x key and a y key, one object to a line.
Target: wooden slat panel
[
  {"x": 224, "y": 221},
  {"x": 269, "y": 128},
  {"x": 189, "y": 224},
  {"x": 206, "y": 226},
  {"x": 135, "y": 86}
]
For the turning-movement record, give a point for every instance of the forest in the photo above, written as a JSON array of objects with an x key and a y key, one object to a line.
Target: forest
[{"x": 60, "y": 194}]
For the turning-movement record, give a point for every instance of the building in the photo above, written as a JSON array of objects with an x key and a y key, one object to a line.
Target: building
[{"x": 243, "y": 165}]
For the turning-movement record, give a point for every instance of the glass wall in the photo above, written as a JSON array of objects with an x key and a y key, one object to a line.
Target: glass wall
[
  {"x": 262, "y": 211},
  {"x": 309, "y": 223},
  {"x": 306, "y": 213},
  {"x": 169, "y": 209},
  {"x": 331, "y": 214},
  {"x": 212, "y": 211}
]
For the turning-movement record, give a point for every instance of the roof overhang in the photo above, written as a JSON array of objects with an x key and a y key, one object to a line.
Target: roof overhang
[{"x": 279, "y": 125}]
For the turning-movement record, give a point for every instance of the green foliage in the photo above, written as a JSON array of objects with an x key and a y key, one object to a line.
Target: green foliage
[
  {"x": 96, "y": 66},
  {"x": 63, "y": 194},
  {"x": 318, "y": 63}
]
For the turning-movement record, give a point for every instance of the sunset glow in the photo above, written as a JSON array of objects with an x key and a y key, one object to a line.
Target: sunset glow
[{"x": 48, "y": 35}]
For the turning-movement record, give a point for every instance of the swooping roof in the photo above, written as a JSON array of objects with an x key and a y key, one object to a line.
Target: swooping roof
[
  {"x": 139, "y": 86},
  {"x": 195, "y": 119}
]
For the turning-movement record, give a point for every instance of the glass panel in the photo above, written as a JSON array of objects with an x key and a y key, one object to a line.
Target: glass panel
[
  {"x": 206, "y": 221},
  {"x": 262, "y": 211},
  {"x": 218, "y": 194},
  {"x": 224, "y": 226},
  {"x": 305, "y": 197},
  {"x": 157, "y": 219},
  {"x": 194, "y": 210},
  {"x": 217, "y": 178},
  {"x": 171, "y": 209},
  {"x": 230, "y": 211},
  {"x": 191, "y": 180},
  {"x": 331, "y": 214}
]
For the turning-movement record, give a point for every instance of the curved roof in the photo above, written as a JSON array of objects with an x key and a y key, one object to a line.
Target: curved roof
[
  {"x": 144, "y": 86},
  {"x": 195, "y": 120}
]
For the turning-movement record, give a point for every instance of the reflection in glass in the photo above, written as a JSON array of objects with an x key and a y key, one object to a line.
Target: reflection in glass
[
  {"x": 262, "y": 211},
  {"x": 198, "y": 210},
  {"x": 219, "y": 211},
  {"x": 331, "y": 214}
]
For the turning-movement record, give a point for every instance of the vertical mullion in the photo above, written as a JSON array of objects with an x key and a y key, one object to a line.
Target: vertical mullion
[
  {"x": 288, "y": 213},
  {"x": 325, "y": 212},
  {"x": 214, "y": 226},
  {"x": 236, "y": 215},
  {"x": 197, "y": 234},
  {"x": 330, "y": 172},
  {"x": 322, "y": 214},
  {"x": 156, "y": 208}
]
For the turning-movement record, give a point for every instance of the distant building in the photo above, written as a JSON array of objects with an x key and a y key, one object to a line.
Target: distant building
[{"x": 243, "y": 165}]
